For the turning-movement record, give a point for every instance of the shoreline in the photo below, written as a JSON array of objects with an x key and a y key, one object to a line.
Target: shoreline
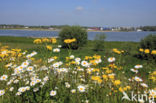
[{"x": 60, "y": 30}]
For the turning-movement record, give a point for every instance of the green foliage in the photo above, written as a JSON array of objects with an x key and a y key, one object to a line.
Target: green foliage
[
  {"x": 99, "y": 42},
  {"x": 70, "y": 32},
  {"x": 149, "y": 42},
  {"x": 148, "y": 28}
]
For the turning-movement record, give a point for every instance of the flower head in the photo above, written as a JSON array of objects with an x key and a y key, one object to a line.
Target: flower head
[
  {"x": 3, "y": 77},
  {"x": 111, "y": 59},
  {"x": 52, "y": 93},
  {"x": 81, "y": 88},
  {"x": 2, "y": 92}
]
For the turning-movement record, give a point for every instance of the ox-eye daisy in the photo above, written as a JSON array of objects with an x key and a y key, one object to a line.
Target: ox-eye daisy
[
  {"x": 111, "y": 59},
  {"x": 3, "y": 77},
  {"x": 138, "y": 79},
  {"x": 81, "y": 88},
  {"x": 52, "y": 93},
  {"x": 2, "y": 92}
]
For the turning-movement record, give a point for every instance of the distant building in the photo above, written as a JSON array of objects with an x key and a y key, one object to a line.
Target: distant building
[
  {"x": 26, "y": 27},
  {"x": 51, "y": 28},
  {"x": 138, "y": 30},
  {"x": 101, "y": 28}
]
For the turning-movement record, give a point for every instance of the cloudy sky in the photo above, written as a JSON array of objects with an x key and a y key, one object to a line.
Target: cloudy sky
[{"x": 78, "y": 12}]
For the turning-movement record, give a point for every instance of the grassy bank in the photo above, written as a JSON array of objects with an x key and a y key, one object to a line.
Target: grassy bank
[
  {"x": 128, "y": 59},
  {"x": 100, "y": 82}
]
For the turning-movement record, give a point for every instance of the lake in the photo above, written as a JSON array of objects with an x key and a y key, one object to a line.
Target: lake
[{"x": 110, "y": 36}]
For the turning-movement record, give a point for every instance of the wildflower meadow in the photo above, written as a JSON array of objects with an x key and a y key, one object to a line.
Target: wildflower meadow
[{"x": 39, "y": 70}]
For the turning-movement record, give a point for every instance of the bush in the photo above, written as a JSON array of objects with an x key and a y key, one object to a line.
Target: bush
[
  {"x": 71, "y": 32},
  {"x": 149, "y": 42},
  {"x": 99, "y": 42},
  {"x": 147, "y": 47}
]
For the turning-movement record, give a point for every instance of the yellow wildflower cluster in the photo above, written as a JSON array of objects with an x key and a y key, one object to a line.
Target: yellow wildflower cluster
[
  {"x": 152, "y": 76},
  {"x": 117, "y": 51},
  {"x": 122, "y": 89},
  {"x": 117, "y": 82},
  {"x": 37, "y": 41},
  {"x": 153, "y": 52},
  {"x": 147, "y": 51},
  {"x": 49, "y": 47},
  {"x": 45, "y": 40},
  {"x": 53, "y": 40},
  {"x": 9, "y": 54},
  {"x": 68, "y": 41},
  {"x": 96, "y": 78}
]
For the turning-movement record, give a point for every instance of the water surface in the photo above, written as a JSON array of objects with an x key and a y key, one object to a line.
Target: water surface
[{"x": 110, "y": 36}]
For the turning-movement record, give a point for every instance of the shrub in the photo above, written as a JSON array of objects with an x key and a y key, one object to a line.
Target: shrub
[
  {"x": 99, "y": 42},
  {"x": 149, "y": 42},
  {"x": 147, "y": 47},
  {"x": 71, "y": 32}
]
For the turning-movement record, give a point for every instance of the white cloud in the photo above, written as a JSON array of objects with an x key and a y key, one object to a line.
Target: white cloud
[{"x": 79, "y": 8}]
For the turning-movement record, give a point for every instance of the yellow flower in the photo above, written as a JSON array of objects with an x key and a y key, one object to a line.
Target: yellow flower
[
  {"x": 125, "y": 88},
  {"x": 105, "y": 68},
  {"x": 99, "y": 80},
  {"x": 111, "y": 76},
  {"x": 55, "y": 57},
  {"x": 105, "y": 77},
  {"x": 117, "y": 51},
  {"x": 128, "y": 87},
  {"x": 95, "y": 77},
  {"x": 153, "y": 52},
  {"x": 53, "y": 40},
  {"x": 49, "y": 47},
  {"x": 68, "y": 41},
  {"x": 141, "y": 50},
  {"x": 45, "y": 40},
  {"x": 117, "y": 82},
  {"x": 121, "y": 89},
  {"x": 37, "y": 41},
  {"x": 108, "y": 71},
  {"x": 147, "y": 51}
]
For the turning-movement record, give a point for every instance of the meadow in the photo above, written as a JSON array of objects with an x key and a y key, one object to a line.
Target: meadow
[{"x": 38, "y": 70}]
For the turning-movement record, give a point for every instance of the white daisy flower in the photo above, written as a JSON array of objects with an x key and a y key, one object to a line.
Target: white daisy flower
[
  {"x": 56, "y": 65},
  {"x": 11, "y": 89},
  {"x": 18, "y": 93},
  {"x": 152, "y": 93},
  {"x": 3, "y": 77},
  {"x": 138, "y": 79},
  {"x": 73, "y": 91},
  {"x": 81, "y": 88},
  {"x": 30, "y": 68},
  {"x": 67, "y": 84},
  {"x": 144, "y": 85},
  {"x": 77, "y": 59},
  {"x": 32, "y": 83},
  {"x": 111, "y": 59},
  {"x": 72, "y": 57},
  {"x": 46, "y": 78},
  {"x": 52, "y": 93},
  {"x": 22, "y": 89},
  {"x": 59, "y": 46},
  {"x": 134, "y": 70},
  {"x": 56, "y": 50},
  {"x": 38, "y": 80},
  {"x": 2, "y": 92},
  {"x": 35, "y": 89},
  {"x": 50, "y": 60},
  {"x": 85, "y": 63},
  {"x": 138, "y": 66}
]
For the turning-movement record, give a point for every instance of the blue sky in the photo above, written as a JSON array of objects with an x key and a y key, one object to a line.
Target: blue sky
[{"x": 78, "y": 12}]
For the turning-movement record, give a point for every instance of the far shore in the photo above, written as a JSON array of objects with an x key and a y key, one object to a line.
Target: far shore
[{"x": 60, "y": 30}]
